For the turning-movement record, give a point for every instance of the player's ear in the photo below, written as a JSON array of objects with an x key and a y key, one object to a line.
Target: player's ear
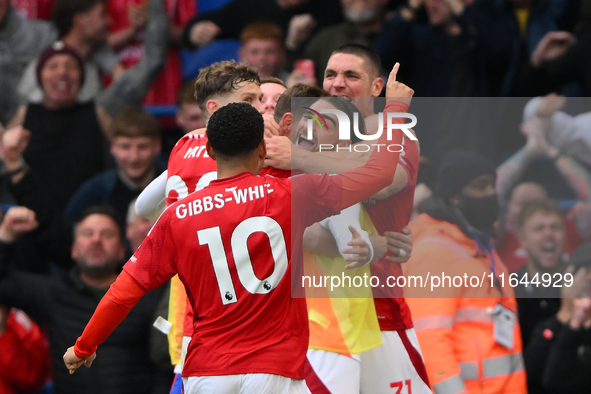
[
  {"x": 285, "y": 125},
  {"x": 209, "y": 150},
  {"x": 212, "y": 106},
  {"x": 377, "y": 86},
  {"x": 262, "y": 150}
]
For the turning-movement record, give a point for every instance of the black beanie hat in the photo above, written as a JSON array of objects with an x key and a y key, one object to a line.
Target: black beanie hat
[
  {"x": 58, "y": 48},
  {"x": 458, "y": 168}
]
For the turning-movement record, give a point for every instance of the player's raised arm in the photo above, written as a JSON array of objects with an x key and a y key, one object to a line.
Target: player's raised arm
[
  {"x": 340, "y": 191},
  {"x": 378, "y": 172}
]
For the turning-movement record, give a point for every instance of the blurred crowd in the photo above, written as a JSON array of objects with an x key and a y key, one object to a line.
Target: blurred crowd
[{"x": 95, "y": 93}]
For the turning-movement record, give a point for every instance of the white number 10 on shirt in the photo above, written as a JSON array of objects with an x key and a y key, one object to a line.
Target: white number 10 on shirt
[{"x": 239, "y": 242}]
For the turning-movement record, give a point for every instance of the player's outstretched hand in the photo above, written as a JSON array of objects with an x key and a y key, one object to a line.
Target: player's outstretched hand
[
  {"x": 359, "y": 253},
  {"x": 73, "y": 362},
  {"x": 396, "y": 89},
  {"x": 400, "y": 245}
]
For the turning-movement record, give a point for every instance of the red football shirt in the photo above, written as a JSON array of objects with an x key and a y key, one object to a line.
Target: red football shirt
[
  {"x": 392, "y": 214},
  {"x": 232, "y": 245},
  {"x": 189, "y": 169}
]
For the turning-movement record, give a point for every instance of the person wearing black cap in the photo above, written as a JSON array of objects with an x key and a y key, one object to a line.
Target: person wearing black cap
[
  {"x": 466, "y": 325},
  {"x": 67, "y": 144},
  {"x": 465, "y": 193},
  {"x": 559, "y": 351}
]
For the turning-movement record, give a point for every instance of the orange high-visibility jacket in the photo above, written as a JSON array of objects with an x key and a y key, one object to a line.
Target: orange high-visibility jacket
[{"x": 455, "y": 324}]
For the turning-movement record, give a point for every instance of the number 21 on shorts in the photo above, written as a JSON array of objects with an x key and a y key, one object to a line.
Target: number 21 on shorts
[{"x": 399, "y": 385}]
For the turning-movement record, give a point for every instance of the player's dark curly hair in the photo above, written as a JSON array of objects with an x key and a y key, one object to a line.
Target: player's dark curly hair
[{"x": 235, "y": 130}]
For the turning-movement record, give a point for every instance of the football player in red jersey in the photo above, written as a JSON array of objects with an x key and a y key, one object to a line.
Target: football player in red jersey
[
  {"x": 353, "y": 71},
  {"x": 189, "y": 169},
  {"x": 250, "y": 335}
]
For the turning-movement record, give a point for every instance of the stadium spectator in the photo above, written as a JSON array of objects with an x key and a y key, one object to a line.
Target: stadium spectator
[
  {"x": 64, "y": 303},
  {"x": 25, "y": 365},
  {"x": 136, "y": 230},
  {"x": 296, "y": 18},
  {"x": 21, "y": 40},
  {"x": 136, "y": 227},
  {"x": 539, "y": 129},
  {"x": 561, "y": 57},
  {"x": 19, "y": 185},
  {"x": 363, "y": 23},
  {"x": 262, "y": 48},
  {"x": 571, "y": 135},
  {"x": 233, "y": 157},
  {"x": 127, "y": 34},
  {"x": 460, "y": 50},
  {"x": 272, "y": 88},
  {"x": 569, "y": 362},
  {"x": 457, "y": 326},
  {"x": 188, "y": 116},
  {"x": 71, "y": 135},
  {"x": 557, "y": 356},
  {"x": 508, "y": 246},
  {"x": 135, "y": 146},
  {"x": 82, "y": 25},
  {"x": 542, "y": 234}
]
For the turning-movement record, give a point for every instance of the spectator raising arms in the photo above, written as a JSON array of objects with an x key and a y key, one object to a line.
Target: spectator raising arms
[
  {"x": 22, "y": 40},
  {"x": 127, "y": 37},
  {"x": 69, "y": 134},
  {"x": 296, "y": 18},
  {"x": 82, "y": 25},
  {"x": 65, "y": 301}
]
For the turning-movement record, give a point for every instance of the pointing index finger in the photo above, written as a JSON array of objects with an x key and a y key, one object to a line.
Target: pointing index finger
[{"x": 394, "y": 71}]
